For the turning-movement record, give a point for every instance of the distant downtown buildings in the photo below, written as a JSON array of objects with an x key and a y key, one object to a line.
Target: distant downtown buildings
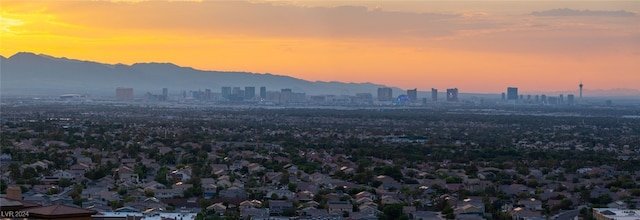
[
  {"x": 434, "y": 95},
  {"x": 384, "y": 95},
  {"x": 512, "y": 96},
  {"x": 413, "y": 95},
  {"x": 512, "y": 93},
  {"x": 248, "y": 93},
  {"x": 452, "y": 95}
]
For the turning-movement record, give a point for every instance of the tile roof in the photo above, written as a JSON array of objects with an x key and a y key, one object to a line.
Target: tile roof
[{"x": 59, "y": 210}]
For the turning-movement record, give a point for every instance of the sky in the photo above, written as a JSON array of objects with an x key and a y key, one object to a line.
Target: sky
[{"x": 474, "y": 45}]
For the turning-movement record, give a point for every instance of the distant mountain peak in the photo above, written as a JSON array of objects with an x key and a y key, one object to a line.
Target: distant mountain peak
[
  {"x": 157, "y": 64},
  {"x": 19, "y": 55},
  {"x": 28, "y": 73}
]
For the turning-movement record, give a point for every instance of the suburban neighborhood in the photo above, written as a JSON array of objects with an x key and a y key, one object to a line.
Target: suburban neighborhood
[{"x": 96, "y": 162}]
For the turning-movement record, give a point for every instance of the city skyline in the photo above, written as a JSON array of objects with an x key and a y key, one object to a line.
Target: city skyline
[{"x": 475, "y": 46}]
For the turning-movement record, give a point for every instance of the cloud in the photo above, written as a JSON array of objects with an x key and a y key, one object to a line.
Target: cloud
[
  {"x": 573, "y": 12},
  {"x": 236, "y": 18}
]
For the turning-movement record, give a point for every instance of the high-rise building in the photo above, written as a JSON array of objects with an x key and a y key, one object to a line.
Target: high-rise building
[
  {"x": 512, "y": 93},
  {"x": 263, "y": 92},
  {"x": 413, "y": 95},
  {"x": 504, "y": 96},
  {"x": 362, "y": 98},
  {"x": 543, "y": 98},
  {"x": 434, "y": 95},
  {"x": 570, "y": 99},
  {"x": 385, "y": 94},
  {"x": 226, "y": 91},
  {"x": 552, "y": 100},
  {"x": 237, "y": 91},
  {"x": 249, "y": 92},
  {"x": 452, "y": 95},
  {"x": 580, "y": 90},
  {"x": 165, "y": 94},
  {"x": 561, "y": 99},
  {"x": 124, "y": 93}
]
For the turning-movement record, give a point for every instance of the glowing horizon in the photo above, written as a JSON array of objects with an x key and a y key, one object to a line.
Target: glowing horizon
[{"x": 476, "y": 46}]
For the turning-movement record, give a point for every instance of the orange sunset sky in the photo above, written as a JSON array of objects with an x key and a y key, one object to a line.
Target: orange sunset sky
[{"x": 477, "y": 46}]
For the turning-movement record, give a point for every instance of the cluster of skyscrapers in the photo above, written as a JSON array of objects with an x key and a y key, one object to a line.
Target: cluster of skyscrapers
[
  {"x": 512, "y": 96},
  {"x": 386, "y": 94}
]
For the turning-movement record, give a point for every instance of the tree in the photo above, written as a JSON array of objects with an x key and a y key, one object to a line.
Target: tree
[
  {"x": 565, "y": 204},
  {"x": 122, "y": 191},
  {"x": 149, "y": 193},
  {"x": 14, "y": 168},
  {"x": 448, "y": 212},
  {"x": 161, "y": 176},
  {"x": 64, "y": 182},
  {"x": 292, "y": 186},
  {"x": 392, "y": 211}
]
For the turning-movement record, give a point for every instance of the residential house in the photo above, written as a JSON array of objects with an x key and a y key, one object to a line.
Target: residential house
[
  {"x": 253, "y": 213},
  {"x": 618, "y": 205},
  {"x": 248, "y": 204},
  {"x": 233, "y": 192},
  {"x": 364, "y": 200},
  {"x": 515, "y": 189},
  {"x": 219, "y": 169},
  {"x": 386, "y": 199},
  {"x": 94, "y": 202},
  {"x": 279, "y": 207},
  {"x": 63, "y": 174},
  {"x": 127, "y": 175},
  {"x": 254, "y": 168},
  {"x": 369, "y": 209},
  {"x": 166, "y": 193},
  {"x": 315, "y": 213},
  {"x": 224, "y": 182},
  {"x": 209, "y": 190},
  {"x": 280, "y": 194},
  {"x": 365, "y": 194},
  {"x": 107, "y": 196},
  {"x": 531, "y": 204},
  {"x": 303, "y": 196},
  {"x": 78, "y": 170},
  {"x": 181, "y": 175},
  {"x": 130, "y": 162},
  {"x": 339, "y": 207},
  {"x": 388, "y": 182},
  {"x": 470, "y": 206},
  {"x": 424, "y": 215},
  {"x": 217, "y": 208},
  {"x": 525, "y": 214}
]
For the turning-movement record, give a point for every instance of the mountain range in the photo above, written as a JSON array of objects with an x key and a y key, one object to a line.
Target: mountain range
[{"x": 38, "y": 74}]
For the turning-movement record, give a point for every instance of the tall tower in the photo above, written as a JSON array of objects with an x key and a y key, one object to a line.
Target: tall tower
[{"x": 580, "y": 91}]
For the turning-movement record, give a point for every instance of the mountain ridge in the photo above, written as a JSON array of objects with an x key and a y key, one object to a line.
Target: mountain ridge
[
  {"x": 30, "y": 73},
  {"x": 27, "y": 73}
]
